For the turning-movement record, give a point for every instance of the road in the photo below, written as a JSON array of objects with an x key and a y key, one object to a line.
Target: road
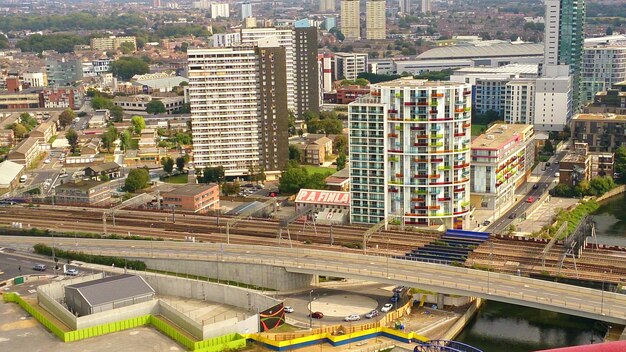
[
  {"x": 544, "y": 183},
  {"x": 569, "y": 299},
  {"x": 15, "y": 264}
]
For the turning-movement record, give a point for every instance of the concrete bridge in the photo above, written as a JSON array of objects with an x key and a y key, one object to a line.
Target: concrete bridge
[{"x": 302, "y": 262}]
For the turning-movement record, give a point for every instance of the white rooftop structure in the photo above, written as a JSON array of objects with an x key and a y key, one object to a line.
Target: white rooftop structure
[
  {"x": 480, "y": 51},
  {"x": 521, "y": 69},
  {"x": 8, "y": 172}
]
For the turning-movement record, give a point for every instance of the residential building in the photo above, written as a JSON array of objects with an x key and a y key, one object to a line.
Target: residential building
[
  {"x": 25, "y": 152},
  {"x": 63, "y": 71},
  {"x": 147, "y": 138},
  {"x": 564, "y": 39},
  {"x": 227, "y": 103},
  {"x": 348, "y": 94},
  {"x": 316, "y": 150},
  {"x": 307, "y": 86},
  {"x": 91, "y": 147},
  {"x": 60, "y": 98},
  {"x": 410, "y": 153},
  {"x": 83, "y": 192},
  {"x": 339, "y": 181},
  {"x": 349, "y": 65},
  {"x": 602, "y": 133},
  {"x": 138, "y": 104},
  {"x": 225, "y": 39},
  {"x": 19, "y": 100},
  {"x": 246, "y": 10},
  {"x": 553, "y": 98},
  {"x": 220, "y": 10},
  {"x": 351, "y": 19},
  {"x": 613, "y": 100},
  {"x": 327, "y": 6},
  {"x": 603, "y": 66},
  {"x": 575, "y": 166},
  {"x": 285, "y": 38},
  {"x": 44, "y": 131},
  {"x": 7, "y": 138},
  {"x": 10, "y": 173},
  {"x": 250, "y": 22},
  {"x": 519, "y": 106},
  {"x": 502, "y": 159},
  {"x": 100, "y": 118},
  {"x": 375, "y": 14},
  {"x": 110, "y": 169},
  {"x": 112, "y": 42},
  {"x": 602, "y": 164},
  {"x": 426, "y": 6},
  {"x": 325, "y": 63},
  {"x": 35, "y": 79},
  {"x": 197, "y": 198},
  {"x": 404, "y": 7}
]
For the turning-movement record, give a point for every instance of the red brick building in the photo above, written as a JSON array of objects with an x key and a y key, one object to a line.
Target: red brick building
[
  {"x": 59, "y": 98},
  {"x": 348, "y": 94},
  {"x": 198, "y": 198}
]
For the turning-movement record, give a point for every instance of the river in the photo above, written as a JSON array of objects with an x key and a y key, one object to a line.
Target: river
[
  {"x": 610, "y": 221},
  {"x": 505, "y": 327}
]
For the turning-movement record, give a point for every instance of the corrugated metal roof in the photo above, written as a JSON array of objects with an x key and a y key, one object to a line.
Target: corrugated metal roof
[
  {"x": 498, "y": 50},
  {"x": 112, "y": 288}
]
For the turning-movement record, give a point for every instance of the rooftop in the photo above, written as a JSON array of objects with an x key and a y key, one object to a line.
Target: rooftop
[
  {"x": 190, "y": 189},
  {"x": 574, "y": 157},
  {"x": 497, "y": 50},
  {"x": 80, "y": 184},
  {"x": 599, "y": 117},
  {"x": 104, "y": 167},
  {"x": 112, "y": 288},
  {"x": 506, "y": 69},
  {"x": 410, "y": 82},
  {"x": 25, "y": 145},
  {"x": 498, "y": 135},
  {"x": 8, "y": 171}
]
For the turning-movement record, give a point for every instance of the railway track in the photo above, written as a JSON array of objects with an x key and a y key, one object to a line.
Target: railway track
[{"x": 497, "y": 252}]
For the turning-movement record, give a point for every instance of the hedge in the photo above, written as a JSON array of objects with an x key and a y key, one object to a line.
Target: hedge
[{"x": 41, "y": 248}]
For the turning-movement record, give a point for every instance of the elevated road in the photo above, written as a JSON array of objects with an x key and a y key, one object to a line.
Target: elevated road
[{"x": 585, "y": 302}]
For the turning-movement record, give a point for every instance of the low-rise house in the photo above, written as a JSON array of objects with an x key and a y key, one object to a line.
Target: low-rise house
[
  {"x": 316, "y": 151},
  {"x": 148, "y": 138},
  {"x": 111, "y": 169},
  {"x": 339, "y": 181},
  {"x": 92, "y": 147},
  {"x": 25, "y": 152},
  {"x": 44, "y": 131},
  {"x": 100, "y": 118},
  {"x": 197, "y": 198},
  {"x": 575, "y": 166},
  {"x": 83, "y": 192}
]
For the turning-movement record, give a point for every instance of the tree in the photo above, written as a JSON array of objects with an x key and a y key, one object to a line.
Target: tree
[
  {"x": 127, "y": 48},
  {"x": 340, "y": 144},
  {"x": 212, "y": 174},
  {"x": 341, "y": 161},
  {"x": 548, "y": 148},
  {"x": 231, "y": 188},
  {"x": 620, "y": 163},
  {"x": 72, "y": 139},
  {"x": 295, "y": 153},
  {"x": 19, "y": 130},
  {"x": 180, "y": 163},
  {"x": 331, "y": 125},
  {"x": 117, "y": 113},
  {"x": 137, "y": 179},
  {"x": 104, "y": 176},
  {"x": 168, "y": 165},
  {"x": 155, "y": 107},
  {"x": 293, "y": 178},
  {"x": 183, "y": 138},
  {"x": 108, "y": 138},
  {"x": 126, "y": 67},
  {"x": 99, "y": 102},
  {"x": 125, "y": 138},
  {"x": 138, "y": 123},
  {"x": 66, "y": 117}
]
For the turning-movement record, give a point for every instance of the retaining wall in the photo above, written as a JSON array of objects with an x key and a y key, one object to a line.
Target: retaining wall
[
  {"x": 276, "y": 278},
  {"x": 612, "y": 193},
  {"x": 113, "y": 315},
  {"x": 459, "y": 325}
]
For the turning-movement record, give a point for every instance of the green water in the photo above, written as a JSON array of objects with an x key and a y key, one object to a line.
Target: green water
[
  {"x": 505, "y": 327},
  {"x": 610, "y": 221}
]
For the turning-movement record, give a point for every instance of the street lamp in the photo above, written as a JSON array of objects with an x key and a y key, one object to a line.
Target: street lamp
[
  {"x": 310, "y": 310},
  {"x": 602, "y": 295}
]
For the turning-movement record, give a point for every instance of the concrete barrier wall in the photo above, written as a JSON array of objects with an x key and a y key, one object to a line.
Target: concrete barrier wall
[
  {"x": 56, "y": 309},
  {"x": 447, "y": 300},
  {"x": 273, "y": 277},
  {"x": 203, "y": 290},
  {"x": 181, "y": 320},
  {"x": 113, "y": 315},
  {"x": 56, "y": 290},
  {"x": 460, "y": 324},
  {"x": 247, "y": 326},
  {"x": 612, "y": 193}
]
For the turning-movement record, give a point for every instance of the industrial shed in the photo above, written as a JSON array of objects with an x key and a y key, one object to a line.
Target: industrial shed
[{"x": 107, "y": 293}]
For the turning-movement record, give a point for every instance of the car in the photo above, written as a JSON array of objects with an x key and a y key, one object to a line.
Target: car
[
  {"x": 372, "y": 314},
  {"x": 317, "y": 315},
  {"x": 547, "y": 163},
  {"x": 63, "y": 175},
  {"x": 387, "y": 307},
  {"x": 535, "y": 186},
  {"x": 530, "y": 199},
  {"x": 512, "y": 216},
  {"x": 352, "y": 317},
  {"x": 556, "y": 162},
  {"x": 395, "y": 299},
  {"x": 47, "y": 161},
  {"x": 39, "y": 267},
  {"x": 71, "y": 272},
  {"x": 556, "y": 174},
  {"x": 486, "y": 223},
  {"x": 288, "y": 309},
  {"x": 399, "y": 289}
]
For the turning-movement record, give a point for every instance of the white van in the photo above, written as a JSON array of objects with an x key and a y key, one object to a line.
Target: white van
[{"x": 23, "y": 178}]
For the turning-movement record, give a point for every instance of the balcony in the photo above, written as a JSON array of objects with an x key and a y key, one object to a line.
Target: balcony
[
  {"x": 444, "y": 183},
  {"x": 433, "y": 112},
  {"x": 467, "y": 92},
  {"x": 458, "y": 110},
  {"x": 461, "y": 166},
  {"x": 433, "y": 176},
  {"x": 408, "y": 103},
  {"x": 459, "y": 189},
  {"x": 438, "y": 144},
  {"x": 422, "y": 103},
  {"x": 393, "y": 158},
  {"x": 392, "y": 135},
  {"x": 421, "y": 136},
  {"x": 399, "y": 175},
  {"x": 420, "y": 176},
  {"x": 418, "y": 199},
  {"x": 392, "y": 111},
  {"x": 461, "y": 134},
  {"x": 418, "y": 128},
  {"x": 434, "y": 103},
  {"x": 437, "y": 135},
  {"x": 444, "y": 199},
  {"x": 443, "y": 168},
  {"x": 468, "y": 109},
  {"x": 467, "y": 125},
  {"x": 393, "y": 190},
  {"x": 436, "y": 160},
  {"x": 420, "y": 160},
  {"x": 459, "y": 103},
  {"x": 437, "y": 95},
  {"x": 420, "y": 144},
  {"x": 394, "y": 119}
]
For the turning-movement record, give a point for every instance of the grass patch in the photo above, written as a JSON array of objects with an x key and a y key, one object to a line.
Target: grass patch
[
  {"x": 574, "y": 217},
  {"x": 210, "y": 279},
  {"x": 284, "y": 328},
  {"x": 52, "y": 139},
  {"x": 4, "y": 150},
  {"x": 180, "y": 178},
  {"x": 312, "y": 169},
  {"x": 478, "y": 129},
  {"x": 134, "y": 144}
]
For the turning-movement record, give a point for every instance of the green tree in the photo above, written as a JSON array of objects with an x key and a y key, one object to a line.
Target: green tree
[
  {"x": 104, "y": 176},
  {"x": 125, "y": 138},
  {"x": 99, "y": 102},
  {"x": 155, "y": 107},
  {"x": 548, "y": 148},
  {"x": 108, "y": 138},
  {"x": 66, "y": 117},
  {"x": 117, "y": 113},
  {"x": 28, "y": 121},
  {"x": 212, "y": 174},
  {"x": 295, "y": 153},
  {"x": 126, "y": 67},
  {"x": 137, "y": 179},
  {"x": 19, "y": 130},
  {"x": 183, "y": 138},
  {"x": 293, "y": 178},
  {"x": 180, "y": 163},
  {"x": 127, "y": 48},
  {"x": 340, "y": 144},
  {"x": 72, "y": 139},
  {"x": 316, "y": 181},
  {"x": 168, "y": 165},
  {"x": 331, "y": 126},
  {"x": 620, "y": 164},
  {"x": 138, "y": 123},
  {"x": 229, "y": 188},
  {"x": 341, "y": 161}
]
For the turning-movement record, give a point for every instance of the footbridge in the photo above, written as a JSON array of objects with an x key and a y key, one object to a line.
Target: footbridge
[{"x": 579, "y": 301}]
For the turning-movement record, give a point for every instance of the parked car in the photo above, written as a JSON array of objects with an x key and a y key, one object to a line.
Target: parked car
[
  {"x": 399, "y": 289},
  {"x": 352, "y": 317},
  {"x": 486, "y": 223},
  {"x": 288, "y": 309},
  {"x": 71, "y": 272},
  {"x": 39, "y": 267},
  {"x": 556, "y": 174},
  {"x": 547, "y": 163},
  {"x": 387, "y": 307},
  {"x": 317, "y": 315},
  {"x": 512, "y": 216},
  {"x": 372, "y": 314},
  {"x": 530, "y": 199},
  {"x": 535, "y": 186}
]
